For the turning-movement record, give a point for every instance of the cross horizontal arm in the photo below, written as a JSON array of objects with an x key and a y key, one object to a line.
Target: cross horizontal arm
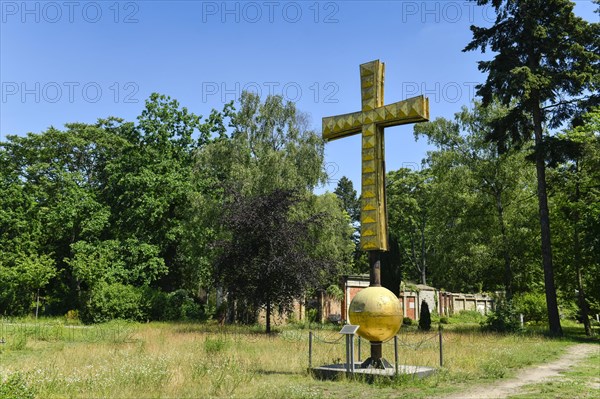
[
  {"x": 411, "y": 110},
  {"x": 336, "y": 127}
]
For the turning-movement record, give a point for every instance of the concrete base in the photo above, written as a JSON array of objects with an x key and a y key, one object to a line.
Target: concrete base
[{"x": 335, "y": 371}]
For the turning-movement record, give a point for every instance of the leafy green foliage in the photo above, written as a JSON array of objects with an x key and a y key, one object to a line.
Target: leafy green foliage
[
  {"x": 347, "y": 194},
  {"x": 503, "y": 319},
  {"x": 334, "y": 291},
  {"x": 466, "y": 218},
  {"x": 26, "y": 275},
  {"x": 112, "y": 261},
  {"x": 180, "y": 305},
  {"x": 575, "y": 206},
  {"x": 351, "y": 205},
  {"x": 150, "y": 184},
  {"x": 545, "y": 79},
  {"x": 269, "y": 148},
  {"x": 409, "y": 200},
  {"x": 119, "y": 219},
  {"x": 532, "y": 305},
  {"x": 115, "y": 301},
  {"x": 467, "y": 316}
]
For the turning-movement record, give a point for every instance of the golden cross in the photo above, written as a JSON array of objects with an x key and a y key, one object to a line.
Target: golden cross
[{"x": 371, "y": 121}]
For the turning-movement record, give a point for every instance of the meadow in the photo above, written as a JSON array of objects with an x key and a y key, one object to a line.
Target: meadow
[{"x": 52, "y": 359}]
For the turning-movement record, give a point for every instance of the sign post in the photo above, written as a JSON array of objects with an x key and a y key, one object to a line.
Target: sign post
[{"x": 349, "y": 330}]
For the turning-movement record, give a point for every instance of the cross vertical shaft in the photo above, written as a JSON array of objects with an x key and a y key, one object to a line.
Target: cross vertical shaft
[{"x": 373, "y": 213}]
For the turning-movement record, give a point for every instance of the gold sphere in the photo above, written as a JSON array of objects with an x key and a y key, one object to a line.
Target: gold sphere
[{"x": 378, "y": 313}]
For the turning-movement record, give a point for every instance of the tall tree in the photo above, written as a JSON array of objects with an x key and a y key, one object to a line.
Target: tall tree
[
  {"x": 347, "y": 194},
  {"x": 576, "y": 183},
  {"x": 272, "y": 148},
  {"x": 267, "y": 260},
  {"x": 150, "y": 184},
  {"x": 268, "y": 149},
  {"x": 545, "y": 57},
  {"x": 409, "y": 202},
  {"x": 333, "y": 232},
  {"x": 99, "y": 203},
  {"x": 57, "y": 176},
  {"x": 351, "y": 204},
  {"x": 477, "y": 192}
]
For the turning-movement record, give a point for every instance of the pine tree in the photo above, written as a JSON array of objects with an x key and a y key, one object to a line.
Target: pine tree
[{"x": 546, "y": 60}]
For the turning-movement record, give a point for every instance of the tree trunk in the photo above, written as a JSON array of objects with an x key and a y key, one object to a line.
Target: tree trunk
[
  {"x": 37, "y": 303},
  {"x": 413, "y": 255},
  {"x": 423, "y": 254},
  {"x": 577, "y": 259},
  {"x": 540, "y": 166},
  {"x": 505, "y": 252},
  {"x": 581, "y": 293},
  {"x": 268, "y": 320},
  {"x": 319, "y": 317}
]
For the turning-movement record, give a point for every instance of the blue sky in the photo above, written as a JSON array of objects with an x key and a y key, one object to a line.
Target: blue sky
[{"x": 76, "y": 61}]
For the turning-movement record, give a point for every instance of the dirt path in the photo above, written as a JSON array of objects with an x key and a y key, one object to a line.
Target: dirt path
[{"x": 502, "y": 389}]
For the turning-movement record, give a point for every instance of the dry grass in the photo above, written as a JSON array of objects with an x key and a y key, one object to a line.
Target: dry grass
[{"x": 195, "y": 361}]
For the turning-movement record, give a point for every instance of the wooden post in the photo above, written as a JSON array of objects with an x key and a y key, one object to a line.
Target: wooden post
[
  {"x": 441, "y": 347},
  {"x": 396, "y": 353},
  {"x": 37, "y": 303},
  {"x": 310, "y": 344}
]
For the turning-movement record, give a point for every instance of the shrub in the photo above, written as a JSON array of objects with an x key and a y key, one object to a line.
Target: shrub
[
  {"x": 72, "y": 316},
  {"x": 569, "y": 309},
  {"x": 215, "y": 345},
  {"x": 335, "y": 292},
  {"x": 503, "y": 319},
  {"x": 312, "y": 315},
  {"x": 443, "y": 320},
  {"x": 424, "y": 317},
  {"x": 159, "y": 303},
  {"x": 532, "y": 305},
  {"x": 190, "y": 310},
  {"x": 468, "y": 316},
  {"x": 115, "y": 301},
  {"x": 181, "y": 306},
  {"x": 407, "y": 321},
  {"x": 172, "y": 306}
]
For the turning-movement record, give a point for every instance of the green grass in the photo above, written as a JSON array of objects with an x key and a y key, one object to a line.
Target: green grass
[{"x": 50, "y": 359}]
